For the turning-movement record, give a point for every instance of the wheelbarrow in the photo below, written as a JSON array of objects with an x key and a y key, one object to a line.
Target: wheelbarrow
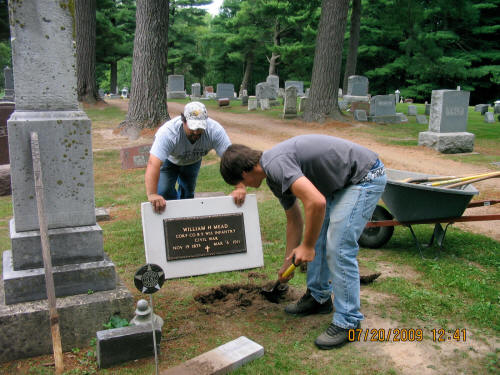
[{"x": 410, "y": 204}]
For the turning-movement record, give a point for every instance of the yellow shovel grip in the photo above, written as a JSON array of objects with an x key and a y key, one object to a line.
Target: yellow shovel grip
[{"x": 288, "y": 271}]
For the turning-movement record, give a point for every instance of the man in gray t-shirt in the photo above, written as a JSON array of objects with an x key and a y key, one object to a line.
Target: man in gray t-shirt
[{"x": 339, "y": 183}]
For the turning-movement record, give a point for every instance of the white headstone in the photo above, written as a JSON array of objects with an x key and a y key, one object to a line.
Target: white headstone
[{"x": 207, "y": 237}]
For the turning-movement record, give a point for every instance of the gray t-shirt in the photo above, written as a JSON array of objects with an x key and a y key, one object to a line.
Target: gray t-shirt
[
  {"x": 330, "y": 163},
  {"x": 172, "y": 143}
]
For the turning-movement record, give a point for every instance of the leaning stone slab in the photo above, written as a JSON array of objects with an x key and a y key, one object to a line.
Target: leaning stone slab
[
  {"x": 354, "y": 98},
  {"x": 118, "y": 345},
  {"x": 360, "y": 115},
  {"x": 26, "y": 326},
  {"x": 221, "y": 360},
  {"x": 70, "y": 279},
  {"x": 447, "y": 143},
  {"x": 67, "y": 245}
]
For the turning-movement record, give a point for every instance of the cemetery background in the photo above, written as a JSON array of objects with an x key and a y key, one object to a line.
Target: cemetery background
[{"x": 410, "y": 292}]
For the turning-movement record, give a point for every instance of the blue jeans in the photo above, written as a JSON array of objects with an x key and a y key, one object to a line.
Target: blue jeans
[
  {"x": 335, "y": 267},
  {"x": 171, "y": 173}
]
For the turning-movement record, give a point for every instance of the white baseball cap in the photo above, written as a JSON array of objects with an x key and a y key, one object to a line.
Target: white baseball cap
[{"x": 196, "y": 115}]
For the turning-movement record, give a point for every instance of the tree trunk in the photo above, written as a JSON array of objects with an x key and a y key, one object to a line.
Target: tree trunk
[
  {"x": 85, "y": 24},
  {"x": 327, "y": 62},
  {"x": 248, "y": 72},
  {"x": 276, "y": 42},
  {"x": 148, "y": 106},
  {"x": 113, "y": 77},
  {"x": 352, "y": 54}
]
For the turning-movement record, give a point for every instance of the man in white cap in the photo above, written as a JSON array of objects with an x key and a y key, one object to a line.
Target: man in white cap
[{"x": 176, "y": 155}]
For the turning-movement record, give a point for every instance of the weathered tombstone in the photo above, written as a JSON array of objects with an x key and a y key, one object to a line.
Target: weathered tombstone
[
  {"x": 9, "y": 84},
  {"x": 252, "y": 103},
  {"x": 135, "y": 156},
  {"x": 360, "y": 115},
  {"x": 176, "y": 87},
  {"x": 412, "y": 110},
  {"x": 485, "y": 109},
  {"x": 340, "y": 93},
  {"x": 244, "y": 99},
  {"x": 281, "y": 92},
  {"x": 306, "y": 93},
  {"x": 203, "y": 235},
  {"x": 496, "y": 107},
  {"x": 6, "y": 109},
  {"x": 43, "y": 55},
  {"x": 208, "y": 90},
  {"x": 196, "y": 90},
  {"x": 357, "y": 89},
  {"x": 343, "y": 105},
  {"x": 290, "y": 104},
  {"x": 264, "y": 90},
  {"x": 357, "y": 86},
  {"x": 124, "y": 93},
  {"x": 489, "y": 117},
  {"x": 264, "y": 104},
  {"x": 274, "y": 81},
  {"x": 421, "y": 119},
  {"x": 303, "y": 103},
  {"x": 427, "y": 109},
  {"x": 448, "y": 123},
  {"x": 225, "y": 90},
  {"x": 383, "y": 109},
  {"x": 298, "y": 84},
  {"x": 101, "y": 93},
  {"x": 402, "y": 117}
]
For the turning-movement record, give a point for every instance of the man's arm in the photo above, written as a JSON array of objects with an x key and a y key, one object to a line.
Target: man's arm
[
  {"x": 151, "y": 179},
  {"x": 294, "y": 227},
  {"x": 314, "y": 209}
]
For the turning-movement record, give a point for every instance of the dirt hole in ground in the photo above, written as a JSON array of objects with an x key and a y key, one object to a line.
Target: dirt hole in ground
[{"x": 229, "y": 299}]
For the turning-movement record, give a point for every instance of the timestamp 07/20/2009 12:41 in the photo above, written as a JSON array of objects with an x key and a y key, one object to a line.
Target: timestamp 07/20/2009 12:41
[{"x": 406, "y": 334}]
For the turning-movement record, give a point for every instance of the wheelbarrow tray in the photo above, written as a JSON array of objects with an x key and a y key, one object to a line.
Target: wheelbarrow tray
[{"x": 414, "y": 202}]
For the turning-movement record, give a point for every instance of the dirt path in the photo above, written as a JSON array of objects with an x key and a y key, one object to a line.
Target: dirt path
[{"x": 262, "y": 133}]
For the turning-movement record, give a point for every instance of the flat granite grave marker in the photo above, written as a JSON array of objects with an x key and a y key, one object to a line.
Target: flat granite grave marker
[
  {"x": 135, "y": 157},
  {"x": 203, "y": 235},
  {"x": 360, "y": 115}
]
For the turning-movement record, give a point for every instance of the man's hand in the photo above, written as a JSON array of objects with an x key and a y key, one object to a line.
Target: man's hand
[
  {"x": 302, "y": 254},
  {"x": 239, "y": 193},
  {"x": 158, "y": 202}
]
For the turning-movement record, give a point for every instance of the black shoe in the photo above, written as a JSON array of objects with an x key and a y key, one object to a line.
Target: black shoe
[
  {"x": 307, "y": 305},
  {"x": 334, "y": 336}
]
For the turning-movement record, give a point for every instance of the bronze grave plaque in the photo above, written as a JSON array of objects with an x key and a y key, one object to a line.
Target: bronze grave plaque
[{"x": 201, "y": 236}]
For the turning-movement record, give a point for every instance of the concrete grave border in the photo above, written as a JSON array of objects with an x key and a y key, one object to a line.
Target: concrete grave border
[{"x": 154, "y": 238}]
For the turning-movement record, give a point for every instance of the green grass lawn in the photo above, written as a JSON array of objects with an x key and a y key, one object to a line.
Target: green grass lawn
[{"x": 460, "y": 289}]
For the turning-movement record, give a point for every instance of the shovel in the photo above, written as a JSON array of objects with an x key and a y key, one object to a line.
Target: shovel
[{"x": 273, "y": 295}]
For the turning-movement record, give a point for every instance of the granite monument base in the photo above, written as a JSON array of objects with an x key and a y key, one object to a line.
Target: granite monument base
[
  {"x": 355, "y": 98},
  {"x": 29, "y": 285},
  {"x": 176, "y": 95},
  {"x": 67, "y": 246},
  {"x": 447, "y": 143},
  {"x": 26, "y": 330},
  {"x": 388, "y": 119}
]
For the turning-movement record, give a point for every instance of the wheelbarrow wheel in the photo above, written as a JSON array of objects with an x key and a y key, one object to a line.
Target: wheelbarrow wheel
[{"x": 375, "y": 237}]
